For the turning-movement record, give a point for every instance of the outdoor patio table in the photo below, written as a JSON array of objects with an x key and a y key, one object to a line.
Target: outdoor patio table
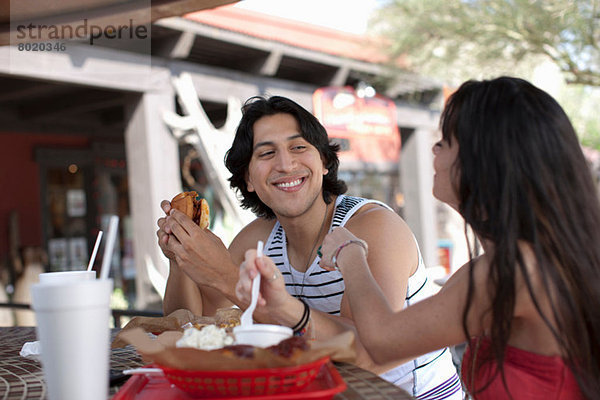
[{"x": 23, "y": 378}]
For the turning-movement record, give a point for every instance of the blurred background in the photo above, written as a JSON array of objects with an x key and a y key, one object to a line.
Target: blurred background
[{"x": 109, "y": 107}]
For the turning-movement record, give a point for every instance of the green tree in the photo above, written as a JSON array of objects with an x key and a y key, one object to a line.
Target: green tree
[
  {"x": 582, "y": 104},
  {"x": 455, "y": 40},
  {"x": 490, "y": 32}
]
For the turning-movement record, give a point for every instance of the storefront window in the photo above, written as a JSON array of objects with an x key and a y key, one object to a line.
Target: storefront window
[
  {"x": 66, "y": 227},
  {"x": 110, "y": 189},
  {"x": 81, "y": 190}
]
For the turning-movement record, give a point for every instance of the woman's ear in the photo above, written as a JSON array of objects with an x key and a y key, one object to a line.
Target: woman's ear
[{"x": 325, "y": 171}]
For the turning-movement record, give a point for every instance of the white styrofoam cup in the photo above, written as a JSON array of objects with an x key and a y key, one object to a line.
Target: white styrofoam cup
[
  {"x": 73, "y": 330},
  {"x": 66, "y": 276}
]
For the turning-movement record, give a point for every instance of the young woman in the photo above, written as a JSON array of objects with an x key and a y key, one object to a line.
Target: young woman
[{"x": 510, "y": 163}]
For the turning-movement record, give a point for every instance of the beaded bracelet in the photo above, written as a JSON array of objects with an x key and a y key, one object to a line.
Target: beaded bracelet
[
  {"x": 301, "y": 325},
  {"x": 359, "y": 242},
  {"x": 307, "y": 331}
]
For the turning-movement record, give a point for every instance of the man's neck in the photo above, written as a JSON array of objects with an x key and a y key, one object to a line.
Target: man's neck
[{"x": 305, "y": 233}]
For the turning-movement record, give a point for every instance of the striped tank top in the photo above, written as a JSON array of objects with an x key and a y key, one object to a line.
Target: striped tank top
[{"x": 431, "y": 376}]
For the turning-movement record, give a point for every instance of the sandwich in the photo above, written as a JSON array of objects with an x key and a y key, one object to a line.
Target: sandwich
[{"x": 192, "y": 205}]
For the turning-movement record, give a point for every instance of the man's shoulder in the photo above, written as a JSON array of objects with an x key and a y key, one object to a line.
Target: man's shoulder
[
  {"x": 349, "y": 202},
  {"x": 363, "y": 206},
  {"x": 375, "y": 216}
]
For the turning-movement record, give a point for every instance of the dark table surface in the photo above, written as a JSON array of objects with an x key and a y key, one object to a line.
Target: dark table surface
[{"x": 23, "y": 378}]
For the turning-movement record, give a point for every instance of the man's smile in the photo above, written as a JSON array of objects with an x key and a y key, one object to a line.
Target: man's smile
[{"x": 290, "y": 184}]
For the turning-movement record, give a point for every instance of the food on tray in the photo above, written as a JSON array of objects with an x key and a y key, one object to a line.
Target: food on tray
[
  {"x": 238, "y": 351},
  {"x": 179, "y": 320},
  {"x": 290, "y": 348},
  {"x": 230, "y": 323},
  {"x": 210, "y": 337},
  {"x": 193, "y": 206},
  {"x": 163, "y": 351}
]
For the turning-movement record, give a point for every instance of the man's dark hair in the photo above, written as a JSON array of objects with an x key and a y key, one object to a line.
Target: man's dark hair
[{"x": 238, "y": 156}]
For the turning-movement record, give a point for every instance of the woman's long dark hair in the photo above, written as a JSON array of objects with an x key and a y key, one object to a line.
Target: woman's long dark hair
[
  {"x": 523, "y": 177},
  {"x": 239, "y": 155}
]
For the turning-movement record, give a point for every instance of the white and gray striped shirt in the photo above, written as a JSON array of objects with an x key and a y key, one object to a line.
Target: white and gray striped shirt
[{"x": 321, "y": 289}]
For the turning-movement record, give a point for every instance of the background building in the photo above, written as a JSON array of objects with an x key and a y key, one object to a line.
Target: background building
[{"x": 83, "y": 131}]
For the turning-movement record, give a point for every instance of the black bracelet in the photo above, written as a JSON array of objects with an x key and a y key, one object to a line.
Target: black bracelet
[{"x": 304, "y": 320}]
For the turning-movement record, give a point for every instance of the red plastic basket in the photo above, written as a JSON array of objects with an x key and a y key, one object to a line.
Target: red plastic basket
[{"x": 255, "y": 382}]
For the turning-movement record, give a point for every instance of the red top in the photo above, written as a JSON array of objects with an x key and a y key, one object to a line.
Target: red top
[{"x": 529, "y": 376}]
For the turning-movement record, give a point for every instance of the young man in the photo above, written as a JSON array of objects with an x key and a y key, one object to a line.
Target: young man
[{"x": 285, "y": 169}]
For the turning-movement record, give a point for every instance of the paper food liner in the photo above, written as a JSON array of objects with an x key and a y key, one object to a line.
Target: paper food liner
[
  {"x": 223, "y": 318},
  {"x": 162, "y": 350}
]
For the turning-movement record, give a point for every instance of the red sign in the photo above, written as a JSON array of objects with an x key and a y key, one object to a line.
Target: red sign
[{"x": 366, "y": 126}]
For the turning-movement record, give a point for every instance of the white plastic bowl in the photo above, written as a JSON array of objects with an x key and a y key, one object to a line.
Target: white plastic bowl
[{"x": 261, "y": 335}]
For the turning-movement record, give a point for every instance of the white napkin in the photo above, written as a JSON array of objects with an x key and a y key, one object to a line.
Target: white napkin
[{"x": 31, "y": 350}]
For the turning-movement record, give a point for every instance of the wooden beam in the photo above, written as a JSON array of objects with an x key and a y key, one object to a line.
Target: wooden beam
[
  {"x": 340, "y": 76},
  {"x": 240, "y": 39},
  {"x": 271, "y": 64},
  {"x": 86, "y": 65},
  {"x": 176, "y": 46}
]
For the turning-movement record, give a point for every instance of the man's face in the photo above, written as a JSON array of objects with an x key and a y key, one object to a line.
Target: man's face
[{"x": 285, "y": 170}]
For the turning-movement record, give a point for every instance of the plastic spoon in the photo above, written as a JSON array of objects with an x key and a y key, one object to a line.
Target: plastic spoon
[
  {"x": 144, "y": 371},
  {"x": 246, "y": 318},
  {"x": 93, "y": 257}
]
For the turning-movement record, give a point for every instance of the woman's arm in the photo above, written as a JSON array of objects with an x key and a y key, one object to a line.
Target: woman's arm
[
  {"x": 431, "y": 324},
  {"x": 392, "y": 259}
]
